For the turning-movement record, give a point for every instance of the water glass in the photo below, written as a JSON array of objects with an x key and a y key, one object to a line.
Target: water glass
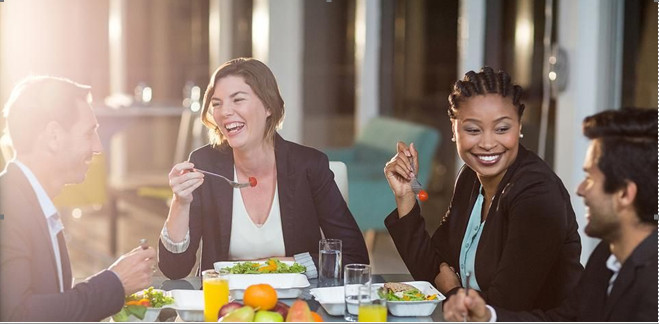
[
  {"x": 216, "y": 292},
  {"x": 329, "y": 260},
  {"x": 354, "y": 276},
  {"x": 372, "y": 306}
]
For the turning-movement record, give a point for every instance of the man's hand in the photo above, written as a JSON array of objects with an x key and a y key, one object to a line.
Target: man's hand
[
  {"x": 472, "y": 307},
  {"x": 135, "y": 269},
  {"x": 446, "y": 279}
]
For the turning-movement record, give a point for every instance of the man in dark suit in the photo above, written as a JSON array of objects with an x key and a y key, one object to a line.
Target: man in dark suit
[
  {"x": 53, "y": 132},
  {"x": 620, "y": 194}
]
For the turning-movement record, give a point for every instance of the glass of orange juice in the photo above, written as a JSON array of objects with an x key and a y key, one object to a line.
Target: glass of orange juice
[
  {"x": 372, "y": 306},
  {"x": 216, "y": 292}
]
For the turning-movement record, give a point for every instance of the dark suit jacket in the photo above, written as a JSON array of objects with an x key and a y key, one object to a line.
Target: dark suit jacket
[
  {"x": 528, "y": 254},
  {"x": 633, "y": 297},
  {"x": 29, "y": 285},
  {"x": 308, "y": 197}
]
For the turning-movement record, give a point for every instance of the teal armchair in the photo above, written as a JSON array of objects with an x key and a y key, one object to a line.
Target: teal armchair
[{"x": 371, "y": 199}]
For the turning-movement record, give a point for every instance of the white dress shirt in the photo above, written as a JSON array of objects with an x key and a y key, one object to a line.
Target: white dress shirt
[{"x": 50, "y": 213}]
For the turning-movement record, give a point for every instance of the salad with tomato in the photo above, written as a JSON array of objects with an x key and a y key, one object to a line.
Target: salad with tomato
[
  {"x": 272, "y": 265},
  {"x": 137, "y": 303}
]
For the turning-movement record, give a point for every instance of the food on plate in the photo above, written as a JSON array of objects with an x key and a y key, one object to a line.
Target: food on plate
[
  {"x": 398, "y": 291},
  {"x": 272, "y": 265},
  {"x": 242, "y": 314},
  {"x": 228, "y": 308},
  {"x": 299, "y": 312},
  {"x": 268, "y": 316},
  {"x": 261, "y": 296},
  {"x": 137, "y": 303}
]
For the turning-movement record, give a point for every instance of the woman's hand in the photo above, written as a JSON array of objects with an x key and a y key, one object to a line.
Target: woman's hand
[
  {"x": 446, "y": 279},
  {"x": 460, "y": 307},
  {"x": 183, "y": 181},
  {"x": 399, "y": 172}
]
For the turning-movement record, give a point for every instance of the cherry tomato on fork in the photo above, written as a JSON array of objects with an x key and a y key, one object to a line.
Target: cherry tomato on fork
[{"x": 423, "y": 195}]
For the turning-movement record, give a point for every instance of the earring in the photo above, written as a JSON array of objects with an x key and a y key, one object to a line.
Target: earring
[
  {"x": 521, "y": 135},
  {"x": 453, "y": 138}
]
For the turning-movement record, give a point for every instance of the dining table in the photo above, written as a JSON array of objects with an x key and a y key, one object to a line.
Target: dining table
[{"x": 194, "y": 283}]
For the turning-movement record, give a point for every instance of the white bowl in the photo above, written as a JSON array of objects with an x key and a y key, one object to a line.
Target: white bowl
[
  {"x": 287, "y": 285},
  {"x": 415, "y": 308},
  {"x": 333, "y": 300}
]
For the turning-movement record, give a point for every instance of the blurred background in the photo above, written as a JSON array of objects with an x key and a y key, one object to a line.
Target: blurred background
[{"x": 341, "y": 65}]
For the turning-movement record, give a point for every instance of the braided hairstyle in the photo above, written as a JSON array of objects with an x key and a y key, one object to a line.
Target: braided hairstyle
[
  {"x": 628, "y": 152},
  {"x": 482, "y": 83}
]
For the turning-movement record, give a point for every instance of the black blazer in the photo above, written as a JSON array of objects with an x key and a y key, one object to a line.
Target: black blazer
[
  {"x": 29, "y": 285},
  {"x": 308, "y": 197},
  {"x": 633, "y": 297},
  {"x": 528, "y": 254}
]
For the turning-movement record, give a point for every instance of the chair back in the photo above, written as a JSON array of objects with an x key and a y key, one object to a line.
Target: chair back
[{"x": 340, "y": 177}]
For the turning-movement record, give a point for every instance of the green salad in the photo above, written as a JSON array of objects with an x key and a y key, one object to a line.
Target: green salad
[
  {"x": 403, "y": 292},
  {"x": 272, "y": 265},
  {"x": 137, "y": 303}
]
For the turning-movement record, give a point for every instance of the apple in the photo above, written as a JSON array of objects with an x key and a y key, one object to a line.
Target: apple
[
  {"x": 268, "y": 316},
  {"x": 227, "y": 308},
  {"x": 281, "y": 308}
]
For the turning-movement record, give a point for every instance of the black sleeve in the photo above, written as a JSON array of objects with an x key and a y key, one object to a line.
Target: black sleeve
[
  {"x": 414, "y": 244},
  {"x": 334, "y": 217}
]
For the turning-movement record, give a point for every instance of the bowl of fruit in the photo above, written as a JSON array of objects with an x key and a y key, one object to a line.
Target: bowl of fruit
[{"x": 260, "y": 304}]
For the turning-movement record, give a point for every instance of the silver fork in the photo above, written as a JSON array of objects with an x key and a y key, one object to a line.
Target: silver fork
[
  {"x": 231, "y": 182},
  {"x": 467, "y": 292}
]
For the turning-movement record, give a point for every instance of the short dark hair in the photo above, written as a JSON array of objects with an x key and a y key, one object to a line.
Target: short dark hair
[
  {"x": 260, "y": 78},
  {"x": 37, "y": 100},
  {"x": 482, "y": 83},
  {"x": 628, "y": 152}
]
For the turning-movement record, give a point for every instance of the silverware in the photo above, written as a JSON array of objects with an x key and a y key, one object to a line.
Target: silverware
[
  {"x": 231, "y": 182},
  {"x": 467, "y": 292},
  {"x": 416, "y": 185}
]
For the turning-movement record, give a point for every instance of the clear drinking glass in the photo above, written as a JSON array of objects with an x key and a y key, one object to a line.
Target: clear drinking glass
[
  {"x": 354, "y": 276},
  {"x": 329, "y": 261},
  {"x": 216, "y": 292},
  {"x": 372, "y": 307}
]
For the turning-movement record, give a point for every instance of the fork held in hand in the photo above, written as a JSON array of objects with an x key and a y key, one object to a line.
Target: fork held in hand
[{"x": 251, "y": 183}]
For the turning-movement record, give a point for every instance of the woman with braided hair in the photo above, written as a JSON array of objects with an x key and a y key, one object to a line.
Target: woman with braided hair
[{"x": 510, "y": 232}]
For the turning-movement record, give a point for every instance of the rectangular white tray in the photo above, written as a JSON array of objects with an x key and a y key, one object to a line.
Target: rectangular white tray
[
  {"x": 287, "y": 285},
  {"x": 333, "y": 300}
]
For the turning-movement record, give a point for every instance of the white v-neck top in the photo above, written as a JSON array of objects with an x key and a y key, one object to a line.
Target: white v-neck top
[{"x": 250, "y": 241}]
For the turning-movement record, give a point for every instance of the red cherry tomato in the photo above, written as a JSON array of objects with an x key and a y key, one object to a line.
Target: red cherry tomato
[
  {"x": 252, "y": 182},
  {"x": 423, "y": 195}
]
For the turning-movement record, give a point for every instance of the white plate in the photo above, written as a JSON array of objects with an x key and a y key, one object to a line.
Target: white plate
[
  {"x": 287, "y": 285},
  {"x": 333, "y": 300}
]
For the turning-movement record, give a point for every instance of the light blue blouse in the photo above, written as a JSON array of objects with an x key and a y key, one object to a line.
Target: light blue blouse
[{"x": 470, "y": 243}]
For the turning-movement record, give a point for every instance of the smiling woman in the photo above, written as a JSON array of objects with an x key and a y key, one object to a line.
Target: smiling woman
[
  {"x": 296, "y": 196},
  {"x": 510, "y": 223}
]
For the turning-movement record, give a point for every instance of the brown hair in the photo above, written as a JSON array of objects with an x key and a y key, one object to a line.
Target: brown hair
[
  {"x": 259, "y": 77},
  {"x": 38, "y": 100},
  {"x": 482, "y": 83}
]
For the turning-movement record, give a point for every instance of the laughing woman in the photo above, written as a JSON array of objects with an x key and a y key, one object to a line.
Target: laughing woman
[
  {"x": 510, "y": 228},
  {"x": 283, "y": 215}
]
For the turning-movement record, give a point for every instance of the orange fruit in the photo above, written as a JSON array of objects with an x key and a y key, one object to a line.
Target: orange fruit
[
  {"x": 261, "y": 296},
  {"x": 316, "y": 317}
]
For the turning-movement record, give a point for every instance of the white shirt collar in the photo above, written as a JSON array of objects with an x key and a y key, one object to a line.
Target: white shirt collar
[
  {"x": 46, "y": 204},
  {"x": 613, "y": 264}
]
